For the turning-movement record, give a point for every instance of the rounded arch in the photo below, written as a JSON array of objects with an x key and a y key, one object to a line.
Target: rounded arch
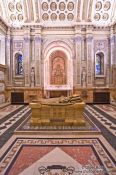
[
  {"x": 55, "y": 45},
  {"x": 59, "y": 47}
]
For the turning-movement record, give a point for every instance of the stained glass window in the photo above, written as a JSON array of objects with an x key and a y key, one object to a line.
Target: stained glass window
[
  {"x": 99, "y": 64},
  {"x": 19, "y": 63}
]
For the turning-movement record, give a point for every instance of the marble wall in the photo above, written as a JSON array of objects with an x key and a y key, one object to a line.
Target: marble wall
[
  {"x": 79, "y": 43},
  {"x": 2, "y": 84}
]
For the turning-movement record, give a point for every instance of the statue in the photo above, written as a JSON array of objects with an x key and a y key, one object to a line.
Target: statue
[
  {"x": 32, "y": 77},
  {"x": 84, "y": 78}
]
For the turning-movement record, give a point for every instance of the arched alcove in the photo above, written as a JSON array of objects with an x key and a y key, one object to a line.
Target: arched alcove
[{"x": 58, "y": 71}]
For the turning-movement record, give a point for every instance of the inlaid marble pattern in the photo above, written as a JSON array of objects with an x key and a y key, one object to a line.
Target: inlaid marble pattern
[
  {"x": 29, "y": 155},
  {"x": 111, "y": 110}
]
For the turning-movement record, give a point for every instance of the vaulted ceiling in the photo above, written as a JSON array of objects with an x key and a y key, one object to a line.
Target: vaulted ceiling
[{"x": 58, "y": 12}]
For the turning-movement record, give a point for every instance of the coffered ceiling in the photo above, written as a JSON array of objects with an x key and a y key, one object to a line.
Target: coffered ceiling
[{"x": 58, "y": 12}]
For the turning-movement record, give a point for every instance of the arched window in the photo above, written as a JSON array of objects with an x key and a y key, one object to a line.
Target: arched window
[
  {"x": 19, "y": 63},
  {"x": 99, "y": 64}
]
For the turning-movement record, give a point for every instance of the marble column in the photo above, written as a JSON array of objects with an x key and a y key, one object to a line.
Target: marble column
[
  {"x": 27, "y": 59},
  {"x": 90, "y": 58},
  {"x": 78, "y": 42},
  {"x": 8, "y": 43},
  {"x": 112, "y": 57},
  {"x": 38, "y": 41}
]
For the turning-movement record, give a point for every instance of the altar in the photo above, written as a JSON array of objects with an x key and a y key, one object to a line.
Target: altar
[{"x": 58, "y": 112}]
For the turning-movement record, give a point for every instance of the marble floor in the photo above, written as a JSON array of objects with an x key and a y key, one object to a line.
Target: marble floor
[{"x": 40, "y": 151}]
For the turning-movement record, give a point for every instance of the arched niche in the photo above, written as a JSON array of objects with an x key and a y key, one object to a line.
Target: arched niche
[{"x": 58, "y": 70}]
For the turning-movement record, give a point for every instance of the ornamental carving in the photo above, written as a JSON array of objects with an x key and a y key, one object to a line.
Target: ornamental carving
[
  {"x": 11, "y": 7},
  {"x": 12, "y": 17},
  {"x": 98, "y": 6},
  {"x": 45, "y": 6},
  {"x": 20, "y": 17},
  {"x": 105, "y": 16},
  {"x": 53, "y": 6},
  {"x": 97, "y": 17},
  {"x": 107, "y": 5},
  {"x": 19, "y": 7},
  {"x": 45, "y": 17},
  {"x": 62, "y": 6},
  {"x": 70, "y": 6},
  {"x": 62, "y": 16},
  {"x": 53, "y": 16},
  {"x": 57, "y": 10},
  {"x": 58, "y": 71},
  {"x": 70, "y": 16}
]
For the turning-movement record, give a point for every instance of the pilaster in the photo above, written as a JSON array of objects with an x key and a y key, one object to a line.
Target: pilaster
[{"x": 27, "y": 56}]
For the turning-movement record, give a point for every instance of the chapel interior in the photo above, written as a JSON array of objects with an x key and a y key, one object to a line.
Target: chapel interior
[{"x": 57, "y": 87}]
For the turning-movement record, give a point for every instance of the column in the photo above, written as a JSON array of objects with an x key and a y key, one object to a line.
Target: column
[
  {"x": 90, "y": 57},
  {"x": 112, "y": 56},
  {"x": 27, "y": 57},
  {"x": 8, "y": 51},
  {"x": 77, "y": 67},
  {"x": 38, "y": 41}
]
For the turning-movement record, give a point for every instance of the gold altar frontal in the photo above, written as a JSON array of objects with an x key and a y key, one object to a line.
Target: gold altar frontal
[{"x": 57, "y": 114}]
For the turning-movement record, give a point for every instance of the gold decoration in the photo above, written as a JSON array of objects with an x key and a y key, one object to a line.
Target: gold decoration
[
  {"x": 11, "y": 7},
  {"x": 19, "y": 7}
]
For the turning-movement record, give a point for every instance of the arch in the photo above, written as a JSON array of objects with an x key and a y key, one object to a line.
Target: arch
[
  {"x": 55, "y": 53},
  {"x": 99, "y": 64},
  {"x": 19, "y": 69}
]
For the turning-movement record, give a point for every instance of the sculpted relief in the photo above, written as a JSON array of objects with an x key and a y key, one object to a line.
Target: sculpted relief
[{"x": 58, "y": 71}]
